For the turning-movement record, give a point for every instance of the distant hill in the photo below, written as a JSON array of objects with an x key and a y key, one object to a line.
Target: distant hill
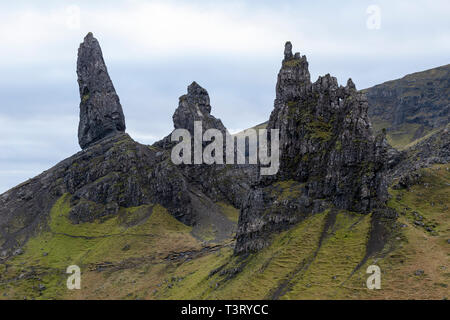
[{"x": 411, "y": 107}]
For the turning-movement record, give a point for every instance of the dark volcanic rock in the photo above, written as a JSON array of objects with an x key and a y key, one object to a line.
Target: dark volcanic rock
[
  {"x": 193, "y": 106},
  {"x": 114, "y": 173},
  {"x": 326, "y": 139},
  {"x": 329, "y": 155},
  {"x": 218, "y": 181},
  {"x": 415, "y": 112},
  {"x": 101, "y": 114},
  {"x": 329, "y": 158}
]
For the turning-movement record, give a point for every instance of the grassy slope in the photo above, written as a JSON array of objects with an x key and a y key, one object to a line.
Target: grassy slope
[
  {"x": 415, "y": 84},
  {"x": 309, "y": 261},
  {"x": 403, "y": 136},
  {"x": 135, "y": 233},
  {"x": 423, "y": 247},
  {"x": 296, "y": 267}
]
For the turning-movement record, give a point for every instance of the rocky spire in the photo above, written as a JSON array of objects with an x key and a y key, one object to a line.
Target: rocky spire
[
  {"x": 320, "y": 122},
  {"x": 326, "y": 148},
  {"x": 294, "y": 77},
  {"x": 101, "y": 114},
  {"x": 350, "y": 84},
  {"x": 287, "y": 50},
  {"x": 195, "y": 106}
]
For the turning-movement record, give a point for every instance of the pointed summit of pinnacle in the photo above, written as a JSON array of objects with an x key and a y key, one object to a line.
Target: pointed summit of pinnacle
[
  {"x": 195, "y": 88},
  {"x": 101, "y": 114},
  {"x": 350, "y": 84},
  {"x": 287, "y": 50},
  {"x": 193, "y": 106},
  {"x": 294, "y": 71}
]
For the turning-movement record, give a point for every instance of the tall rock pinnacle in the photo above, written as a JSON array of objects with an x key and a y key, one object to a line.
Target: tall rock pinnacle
[
  {"x": 329, "y": 155},
  {"x": 325, "y": 132},
  {"x": 101, "y": 114}
]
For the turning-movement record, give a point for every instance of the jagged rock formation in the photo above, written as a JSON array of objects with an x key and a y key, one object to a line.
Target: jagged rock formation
[
  {"x": 410, "y": 107},
  {"x": 329, "y": 155},
  {"x": 414, "y": 113},
  {"x": 330, "y": 163},
  {"x": 193, "y": 106},
  {"x": 219, "y": 181},
  {"x": 101, "y": 114},
  {"x": 113, "y": 172}
]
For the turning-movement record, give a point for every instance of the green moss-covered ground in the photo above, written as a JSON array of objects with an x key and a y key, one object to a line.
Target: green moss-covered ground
[
  {"x": 405, "y": 135},
  {"x": 148, "y": 232},
  {"x": 144, "y": 253}
]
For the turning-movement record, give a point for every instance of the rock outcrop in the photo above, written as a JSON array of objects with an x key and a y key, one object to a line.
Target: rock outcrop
[
  {"x": 193, "y": 106},
  {"x": 329, "y": 160},
  {"x": 101, "y": 114},
  {"x": 329, "y": 156},
  {"x": 430, "y": 150},
  {"x": 220, "y": 182},
  {"x": 113, "y": 172}
]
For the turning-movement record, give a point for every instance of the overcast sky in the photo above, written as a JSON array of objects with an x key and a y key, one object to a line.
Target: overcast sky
[{"x": 154, "y": 49}]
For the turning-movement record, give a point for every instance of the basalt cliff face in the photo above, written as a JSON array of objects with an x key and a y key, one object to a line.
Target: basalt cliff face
[
  {"x": 420, "y": 97},
  {"x": 430, "y": 150},
  {"x": 329, "y": 155}
]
